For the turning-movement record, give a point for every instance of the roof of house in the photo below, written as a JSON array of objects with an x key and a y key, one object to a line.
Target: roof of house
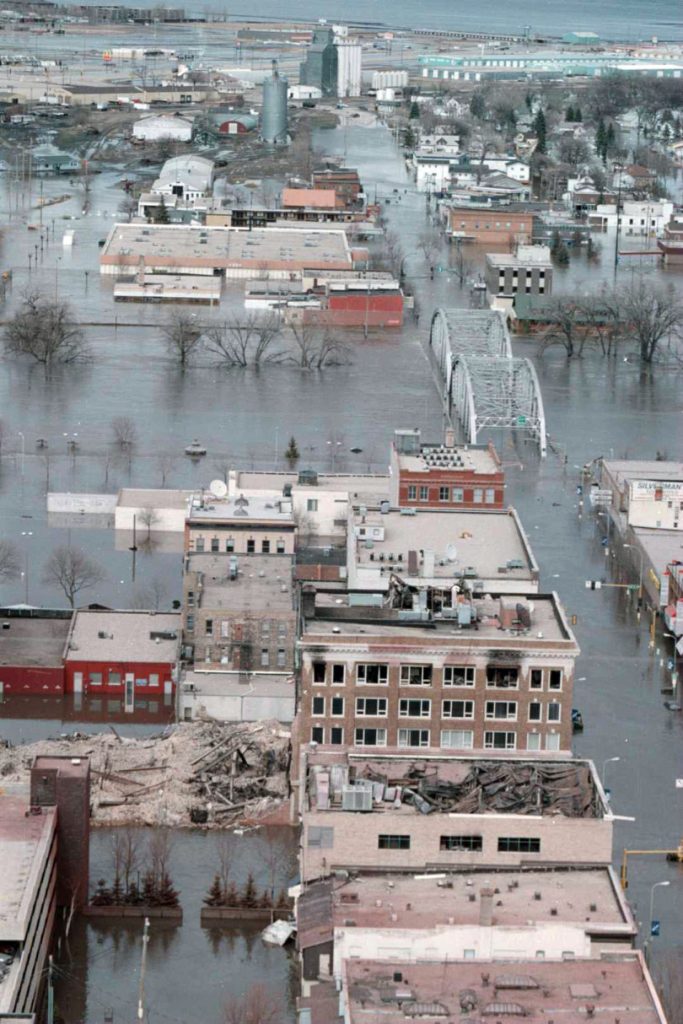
[{"x": 124, "y": 636}]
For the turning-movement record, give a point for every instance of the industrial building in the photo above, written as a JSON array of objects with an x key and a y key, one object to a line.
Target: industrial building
[
  {"x": 349, "y": 67},
  {"x": 188, "y": 177},
  {"x": 154, "y": 127},
  {"x": 234, "y": 253},
  {"x": 558, "y": 64},
  {"x": 320, "y": 66},
  {"x": 274, "y": 110}
]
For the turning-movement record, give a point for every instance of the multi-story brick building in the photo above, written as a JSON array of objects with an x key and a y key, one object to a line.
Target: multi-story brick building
[
  {"x": 486, "y": 223},
  {"x": 436, "y": 669},
  {"x": 439, "y": 476},
  {"x": 240, "y": 525}
]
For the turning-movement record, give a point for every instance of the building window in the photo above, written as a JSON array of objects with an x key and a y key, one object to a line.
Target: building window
[
  {"x": 444, "y": 493},
  {"x": 281, "y": 657},
  {"x": 490, "y": 496},
  {"x": 536, "y": 679},
  {"x": 265, "y": 628},
  {"x": 458, "y": 495},
  {"x": 412, "y": 492},
  {"x": 337, "y": 735},
  {"x": 319, "y": 672},
  {"x": 535, "y": 711},
  {"x": 337, "y": 706},
  {"x": 199, "y": 544},
  {"x": 251, "y": 546},
  {"x": 502, "y": 677},
  {"x": 371, "y": 738},
  {"x": 555, "y": 679},
  {"x": 371, "y": 707},
  {"x": 457, "y": 709},
  {"x": 141, "y": 682},
  {"x": 265, "y": 657},
  {"x": 413, "y": 737},
  {"x": 208, "y": 627},
  {"x": 533, "y": 741},
  {"x": 500, "y": 740},
  {"x": 114, "y": 678},
  {"x": 461, "y": 844},
  {"x": 457, "y": 739},
  {"x": 153, "y": 679},
  {"x": 189, "y": 623},
  {"x": 95, "y": 678},
  {"x": 312, "y": 505},
  {"x": 518, "y": 844},
  {"x": 372, "y": 675},
  {"x": 190, "y": 598},
  {"x": 215, "y": 545},
  {"x": 385, "y": 842},
  {"x": 505, "y": 710},
  {"x": 338, "y": 675},
  {"x": 319, "y": 837},
  {"x": 318, "y": 706},
  {"x": 416, "y": 675},
  {"x": 477, "y": 496},
  {"x": 265, "y": 547},
  {"x": 280, "y": 547},
  {"x": 230, "y": 545},
  {"x": 317, "y": 734},
  {"x": 554, "y": 711},
  {"x": 424, "y": 494},
  {"x": 415, "y": 708},
  {"x": 552, "y": 741},
  {"x": 458, "y": 675}
]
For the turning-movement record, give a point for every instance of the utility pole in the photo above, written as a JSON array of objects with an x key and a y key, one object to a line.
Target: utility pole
[
  {"x": 143, "y": 965},
  {"x": 50, "y": 993}
]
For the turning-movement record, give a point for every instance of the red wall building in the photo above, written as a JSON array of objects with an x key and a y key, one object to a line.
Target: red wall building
[
  {"x": 32, "y": 648},
  {"x": 442, "y": 476},
  {"x": 346, "y": 308}
]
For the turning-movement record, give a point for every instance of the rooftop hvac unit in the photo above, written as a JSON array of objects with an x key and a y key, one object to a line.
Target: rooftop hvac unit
[{"x": 357, "y": 798}]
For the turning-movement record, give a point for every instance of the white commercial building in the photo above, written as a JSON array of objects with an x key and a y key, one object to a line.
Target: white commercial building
[
  {"x": 155, "y": 127},
  {"x": 349, "y": 67},
  {"x": 656, "y": 504},
  {"x": 635, "y": 218},
  {"x": 188, "y": 177}
]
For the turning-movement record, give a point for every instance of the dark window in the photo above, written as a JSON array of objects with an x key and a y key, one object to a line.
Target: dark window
[
  {"x": 318, "y": 671},
  {"x": 371, "y": 707},
  {"x": 372, "y": 675},
  {"x": 317, "y": 733},
  {"x": 555, "y": 682},
  {"x": 460, "y": 843},
  {"x": 385, "y": 842},
  {"x": 337, "y": 706},
  {"x": 215, "y": 544},
  {"x": 502, "y": 676},
  {"x": 230, "y": 544},
  {"x": 265, "y": 547},
  {"x": 336, "y": 735},
  {"x": 518, "y": 844},
  {"x": 318, "y": 705},
  {"x": 416, "y": 675},
  {"x": 536, "y": 680},
  {"x": 535, "y": 711},
  {"x": 415, "y": 708},
  {"x": 251, "y": 547},
  {"x": 208, "y": 627},
  {"x": 444, "y": 493},
  {"x": 338, "y": 675}
]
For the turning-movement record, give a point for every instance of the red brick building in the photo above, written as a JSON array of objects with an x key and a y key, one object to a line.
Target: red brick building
[
  {"x": 129, "y": 654},
  {"x": 489, "y": 224},
  {"x": 444, "y": 476},
  {"x": 32, "y": 647}
]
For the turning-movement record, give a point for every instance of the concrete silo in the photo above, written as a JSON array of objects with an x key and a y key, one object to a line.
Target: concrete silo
[{"x": 274, "y": 112}]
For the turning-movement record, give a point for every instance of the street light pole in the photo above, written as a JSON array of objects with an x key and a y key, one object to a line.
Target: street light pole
[
  {"x": 619, "y": 168},
  {"x": 632, "y": 547},
  {"x": 608, "y": 760},
  {"x": 23, "y": 450},
  {"x": 650, "y": 936}
]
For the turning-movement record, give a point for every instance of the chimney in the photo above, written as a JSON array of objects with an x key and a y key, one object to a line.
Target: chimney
[
  {"x": 449, "y": 437},
  {"x": 486, "y": 908},
  {"x": 308, "y": 601}
]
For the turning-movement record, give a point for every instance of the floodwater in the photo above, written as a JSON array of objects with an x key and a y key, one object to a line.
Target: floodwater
[{"x": 593, "y": 407}]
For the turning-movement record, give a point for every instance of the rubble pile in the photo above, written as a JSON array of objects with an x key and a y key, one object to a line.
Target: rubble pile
[{"x": 193, "y": 773}]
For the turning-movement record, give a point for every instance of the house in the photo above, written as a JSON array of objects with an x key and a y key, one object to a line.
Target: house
[
  {"x": 155, "y": 127},
  {"x": 131, "y": 655},
  {"x": 188, "y": 177},
  {"x": 635, "y": 176},
  {"x": 48, "y": 159}
]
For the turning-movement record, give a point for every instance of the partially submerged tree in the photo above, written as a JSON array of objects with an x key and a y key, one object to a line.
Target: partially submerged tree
[
  {"x": 10, "y": 564},
  {"x": 314, "y": 349},
  {"x": 244, "y": 340},
  {"x": 45, "y": 330},
  {"x": 182, "y": 337},
  {"x": 165, "y": 464},
  {"x": 652, "y": 314},
  {"x": 72, "y": 570},
  {"x": 124, "y": 430},
  {"x": 147, "y": 517},
  {"x": 256, "y": 1006}
]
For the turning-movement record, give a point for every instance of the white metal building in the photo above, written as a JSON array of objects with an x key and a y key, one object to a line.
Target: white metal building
[
  {"x": 186, "y": 176},
  {"x": 389, "y": 79},
  {"x": 349, "y": 67},
  {"x": 154, "y": 127}
]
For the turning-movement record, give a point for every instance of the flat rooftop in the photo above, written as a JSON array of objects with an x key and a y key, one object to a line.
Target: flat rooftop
[
  {"x": 258, "y": 587},
  {"x": 227, "y": 247},
  {"x": 33, "y": 642},
  {"x": 213, "y": 683},
  {"x": 240, "y": 509},
  {"x": 619, "y": 989},
  {"x": 124, "y": 636},
  {"x": 524, "y": 259},
  {"x": 343, "y": 614},
  {"x": 624, "y": 470},
  {"x": 488, "y": 545},
  {"x": 24, "y": 846},
  {"x": 143, "y": 498},
  {"x": 464, "y": 458},
  {"x": 458, "y": 785},
  {"x": 370, "y": 488},
  {"x": 587, "y": 897}
]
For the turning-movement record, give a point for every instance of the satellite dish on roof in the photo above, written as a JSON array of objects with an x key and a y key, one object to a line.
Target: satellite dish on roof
[
  {"x": 451, "y": 552},
  {"x": 218, "y": 488}
]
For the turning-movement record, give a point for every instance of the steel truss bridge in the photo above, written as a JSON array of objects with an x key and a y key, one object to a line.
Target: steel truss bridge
[{"x": 485, "y": 385}]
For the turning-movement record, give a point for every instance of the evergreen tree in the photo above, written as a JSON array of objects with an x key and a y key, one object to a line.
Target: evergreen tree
[
  {"x": 133, "y": 895},
  {"x": 250, "y": 895},
  {"x": 539, "y": 128},
  {"x": 528, "y": 100},
  {"x": 117, "y": 895},
  {"x": 414, "y": 111},
  {"x": 601, "y": 140},
  {"x": 266, "y": 900},
  {"x": 215, "y": 895},
  {"x": 282, "y": 902},
  {"x": 102, "y": 895},
  {"x": 558, "y": 250},
  {"x": 166, "y": 894},
  {"x": 477, "y": 105},
  {"x": 161, "y": 213},
  {"x": 610, "y": 139},
  {"x": 578, "y": 116},
  {"x": 569, "y": 116},
  {"x": 409, "y": 138},
  {"x": 231, "y": 897},
  {"x": 292, "y": 450},
  {"x": 149, "y": 889}
]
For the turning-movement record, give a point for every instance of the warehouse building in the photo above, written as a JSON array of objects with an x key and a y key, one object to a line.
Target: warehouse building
[{"x": 155, "y": 127}]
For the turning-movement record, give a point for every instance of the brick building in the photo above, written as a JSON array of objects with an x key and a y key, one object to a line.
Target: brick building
[
  {"x": 239, "y": 525},
  {"x": 64, "y": 783},
  {"x": 487, "y": 224},
  {"x": 438, "y": 476},
  {"x": 32, "y": 648},
  {"x": 344, "y": 181},
  {"x": 129, "y": 654},
  {"x": 412, "y": 811},
  {"x": 478, "y": 673}
]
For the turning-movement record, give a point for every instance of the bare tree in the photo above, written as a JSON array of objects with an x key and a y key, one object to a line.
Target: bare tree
[
  {"x": 182, "y": 336},
  {"x": 153, "y": 596},
  {"x": 573, "y": 151},
  {"x": 460, "y": 264},
  {"x": 223, "y": 465},
  {"x": 3, "y": 432},
  {"x": 72, "y": 570},
  {"x": 652, "y": 314},
  {"x": 10, "y": 563},
  {"x": 226, "y": 850},
  {"x": 165, "y": 464},
  {"x": 393, "y": 249},
  {"x": 148, "y": 517},
  {"x": 160, "y": 847},
  {"x": 128, "y": 206},
  {"x": 45, "y": 330},
  {"x": 125, "y": 432},
  {"x": 565, "y": 317},
  {"x": 244, "y": 340},
  {"x": 125, "y": 854},
  {"x": 314, "y": 350},
  {"x": 256, "y": 1006},
  {"x": 429, "y": 247}
]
